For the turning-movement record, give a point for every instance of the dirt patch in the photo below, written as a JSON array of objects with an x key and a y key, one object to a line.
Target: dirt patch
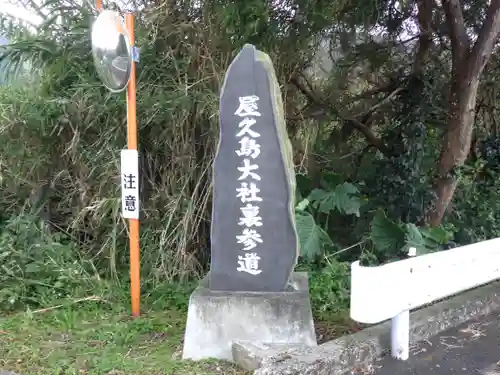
[{"x": 329, "y": 330}]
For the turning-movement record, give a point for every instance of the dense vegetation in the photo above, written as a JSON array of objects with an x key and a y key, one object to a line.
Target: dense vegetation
[{"x": 390, "y": 105}]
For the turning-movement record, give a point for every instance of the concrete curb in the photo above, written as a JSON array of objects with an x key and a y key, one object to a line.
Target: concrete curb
[{"x": 353, "y": 352}]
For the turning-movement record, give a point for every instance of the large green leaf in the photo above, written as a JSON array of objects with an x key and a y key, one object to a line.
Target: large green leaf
[
  {"x": 343, "y": 199},
  {"x": 426, "y": 240},
  {"x": 347, "y": 200},
  {"x": 392, "y": 241},
  {"x": 386, "y": 235},
  {"x": 414, "y": 238},
  {"x": 312, "y": 238},
  {"x": 320, "y": 200},
  {"x": 439, "y": 235}
]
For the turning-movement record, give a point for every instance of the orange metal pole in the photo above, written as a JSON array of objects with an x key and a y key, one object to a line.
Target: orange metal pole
[
  {"x": 98, "y": 5},
  {"x": 135, "y": 278}
]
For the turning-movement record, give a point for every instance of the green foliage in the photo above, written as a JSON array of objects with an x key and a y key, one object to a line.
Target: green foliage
[
  {"x": 386, "y": 235},
  {"x": 313, "y": 213},
  {"x": 391, "y": 240},
  {"x": 39, "y": 267},
  {"x": 490, "y": 152},
  {"x": 401, "y": 182},
  {"x": 329, "y": 288},
  {"x": 312, "y": 238},
  {"x": 344, "y": 198},
  {"x": 476, "y": 209},
  {"x": 168, "y": 296}
]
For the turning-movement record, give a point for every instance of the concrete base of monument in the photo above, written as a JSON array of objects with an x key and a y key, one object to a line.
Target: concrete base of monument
[{"x": 216, "y": 320}]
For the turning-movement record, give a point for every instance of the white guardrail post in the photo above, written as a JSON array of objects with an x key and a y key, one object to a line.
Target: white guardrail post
[
  {"x": 400, "y": 336},
  {"x": 400, "y": 329}
]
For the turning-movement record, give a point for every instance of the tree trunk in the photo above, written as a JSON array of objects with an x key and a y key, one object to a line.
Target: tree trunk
[
  {"x": 467, "y": 66},
  {"x": 456, "y": 142}
]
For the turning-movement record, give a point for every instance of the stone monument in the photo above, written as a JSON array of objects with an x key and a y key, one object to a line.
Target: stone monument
[{"x": 251, "y": 293}]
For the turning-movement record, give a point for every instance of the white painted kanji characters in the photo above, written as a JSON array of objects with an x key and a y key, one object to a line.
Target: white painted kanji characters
[
  {"x": 249, "y": 263},
  {"x": 250, "y": 217},
  {"x": 249, "y": 238},
  {"x": 246, "y": 125},
  {"x": 248, "y": 147},
  {"x": 247, "y": 170},
  {"x": 248, "y": 106},
  {"x": 247, "y": 192}
]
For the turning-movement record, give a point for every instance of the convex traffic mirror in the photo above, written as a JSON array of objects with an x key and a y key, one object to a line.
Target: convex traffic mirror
[{"x": 111, "y": 50}]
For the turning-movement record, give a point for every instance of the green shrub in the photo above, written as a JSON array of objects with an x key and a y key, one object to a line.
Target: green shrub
[
  {"x": 39, "y": 267},
  {"x": 329, "y": 289}
]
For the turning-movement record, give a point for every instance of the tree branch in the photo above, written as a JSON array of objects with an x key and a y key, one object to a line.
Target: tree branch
[
  {"x": 458, "y": 35},
  {"x": 425, "y": 9},
  {"x": 308, "y": 93},
  {"x": 386, "y": 89},
  {"x": 383, "y": 101},
  {"x": 486, "y": 40},
  {"x": 329, "y": 108}
]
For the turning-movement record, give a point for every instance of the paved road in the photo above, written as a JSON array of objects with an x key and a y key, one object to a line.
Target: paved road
[{"x": 470, "y": 349}]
